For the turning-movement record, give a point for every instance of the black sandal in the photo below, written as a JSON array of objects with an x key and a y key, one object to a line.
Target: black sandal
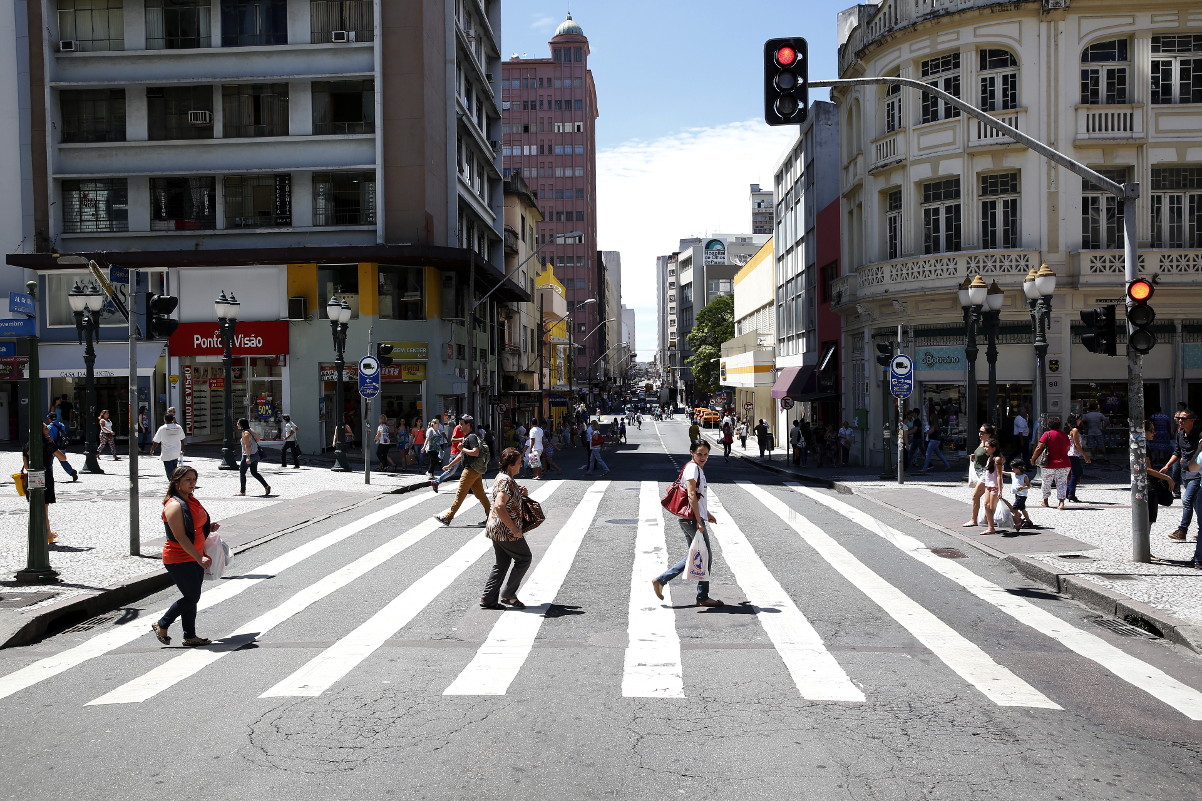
[
  {"x": 487, "y": 605},
  {"x": 514, "y": 602}
]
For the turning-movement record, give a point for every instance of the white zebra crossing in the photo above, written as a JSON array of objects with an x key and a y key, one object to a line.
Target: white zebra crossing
[
  {"x": 652, "y": 666},
  {"x": 1133, "y": 670},
  {"x": 964, "y": 657}
]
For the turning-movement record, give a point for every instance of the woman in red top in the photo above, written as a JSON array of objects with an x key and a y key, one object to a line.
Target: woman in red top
[
  {"x": 184, "y": 554},
  {"x": 1056, "y": 443}
]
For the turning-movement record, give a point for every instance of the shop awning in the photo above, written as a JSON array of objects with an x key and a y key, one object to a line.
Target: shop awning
[
  {"x": 792, "y": 381},
  {"x": 112, "y": 359}
]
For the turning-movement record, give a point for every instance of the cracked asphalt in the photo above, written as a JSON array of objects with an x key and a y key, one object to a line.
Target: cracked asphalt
[{"x": 562, "y": 729}]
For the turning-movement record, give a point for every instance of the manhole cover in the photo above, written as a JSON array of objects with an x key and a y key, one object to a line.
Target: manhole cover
[
  {"x": 949, "y": 553},
  {"x": 91, "y": 624},
  {"x": 623, "y": 521},
  {"x": 1119, "y": 627},
  {"x": 12, "y": 600}
]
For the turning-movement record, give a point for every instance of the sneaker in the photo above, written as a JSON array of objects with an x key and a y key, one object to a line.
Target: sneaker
[
  {"x": 434, "y": 486},
  {"x": 442, "y": 520},
  {"x": 709, "y": 602},
  {"x": 482, "y": 523},
  {"x": 1178, "y": 535}
]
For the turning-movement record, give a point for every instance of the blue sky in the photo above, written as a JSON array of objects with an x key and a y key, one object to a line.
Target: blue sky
[{"x": 680, "y": 136}]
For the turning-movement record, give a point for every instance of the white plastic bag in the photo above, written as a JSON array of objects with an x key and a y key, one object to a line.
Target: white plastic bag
[
  {"x": 697, "y": 566},
  {"x": 534, "y": 460},
  {"x": 219, "y": 551},
  {"x": 1002, "y": 516}
]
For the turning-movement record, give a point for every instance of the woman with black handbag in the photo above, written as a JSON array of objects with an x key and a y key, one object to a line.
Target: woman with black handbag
[
  {"x": 504, "y": 528},
  {"x": 1160, "y": 485}
]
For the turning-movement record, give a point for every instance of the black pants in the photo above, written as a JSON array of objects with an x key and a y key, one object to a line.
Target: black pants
[
  {"x": 250, "y": 463},
  {"x": 294, "y": 447},
  {"x": 188, "y": 577},
  {"x": 433, "y": 464},
  {"x": 515, "y": 552}
]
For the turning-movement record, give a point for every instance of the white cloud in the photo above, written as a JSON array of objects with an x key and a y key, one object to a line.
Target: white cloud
[
  {"x": 652, "y": 193},
  {"x": 543, "y": 22}
]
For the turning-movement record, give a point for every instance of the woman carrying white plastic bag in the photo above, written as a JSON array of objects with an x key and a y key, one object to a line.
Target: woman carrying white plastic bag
[{"x": 695, "y": 529}]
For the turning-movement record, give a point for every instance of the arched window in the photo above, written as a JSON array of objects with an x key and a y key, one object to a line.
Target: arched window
[
  {"x": 1104, "y": 70},
  {"x": 893, "y": 108},
  {"x": 942, "y": 72},
  {"x": 999, "y": 80}
]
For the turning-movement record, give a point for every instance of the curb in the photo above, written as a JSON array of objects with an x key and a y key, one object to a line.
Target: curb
[{"x": 74, "y": 610}]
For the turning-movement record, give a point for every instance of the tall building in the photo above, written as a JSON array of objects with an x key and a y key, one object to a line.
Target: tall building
[
  {"x": 549, "y": 113},
  {"x": 932, "y": 196},
  {"x": 763, "y": 210},
  {"x": 289, "y": 152}
]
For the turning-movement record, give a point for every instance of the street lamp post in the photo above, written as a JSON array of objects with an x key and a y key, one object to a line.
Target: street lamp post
[
  {"x": 992, "y": 317},
  {"x": 1038, "y": 287},
  {"x": 86, "y": 304},
  {"x": 545, "y": 330},
  {"x": 972, "y": 295},
  {"x": 339, "y": 313},
  {"x": 227, "y": 322},
  {"x": 37, "y": 568}
]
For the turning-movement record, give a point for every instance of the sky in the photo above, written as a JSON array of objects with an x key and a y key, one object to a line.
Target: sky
[{"x": 680, "y": 136}]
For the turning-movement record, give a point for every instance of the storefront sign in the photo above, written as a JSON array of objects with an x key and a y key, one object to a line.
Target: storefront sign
[
  {"x": 393, "y": 372},
  {"x": 264, "y": 408},
  {"x": 174, "y": 379},
  {"x": 945, "y": 359},
  {"x": 216, "y": 383},
  {"x": 18, "y": 328},
  {"x": 715, "y": 252},
  {"x": 188, "y": 400},
  {"x": 8, "y": 348},
  {"x": 251, "y": 338},
  {"x": 410, "y": 350},
  {"x": 12, "y": 368}
]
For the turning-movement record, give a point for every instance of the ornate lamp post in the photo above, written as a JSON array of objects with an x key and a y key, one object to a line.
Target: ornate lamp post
[
  {"x": 86, "y": 304},
  {"x": 339, "y": 313},
  {"x": 1038, "y": 287},
  {"x": 227, "y": 320},
  {"x": 972, "y": 295},
  {"x": 992, "y": 316}
]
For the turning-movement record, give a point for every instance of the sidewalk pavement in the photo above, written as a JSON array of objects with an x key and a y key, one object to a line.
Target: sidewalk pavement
[
  {"x": 97, "y": 572},
  {"x": 1084, "y": 552}
]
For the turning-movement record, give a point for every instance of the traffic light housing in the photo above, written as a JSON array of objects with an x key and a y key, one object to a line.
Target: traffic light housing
[
  {"x": 884, "y": 354},
  {"x": 383, "y": 354},
  {"x": 786, "y": 81},
  {"x": 158, "y": 316},
  {"x": 1140, "y": 316},
  {"x": 1102, "y": 336}
]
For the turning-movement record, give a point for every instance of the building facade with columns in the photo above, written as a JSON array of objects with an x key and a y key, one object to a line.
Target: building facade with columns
[{"x": 931, "y": 196}]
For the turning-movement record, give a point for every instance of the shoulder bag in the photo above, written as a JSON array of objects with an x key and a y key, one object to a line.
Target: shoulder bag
[
  {"x": 530, "y": 512},
  {"x": 1159, "y": 492},
  {"x": 676, "y": 499}
]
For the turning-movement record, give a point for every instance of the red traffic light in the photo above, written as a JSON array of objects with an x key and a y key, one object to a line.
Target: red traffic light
[
  {"x": 785, "y": 56},
  {"x": 1140, "y": 290}
]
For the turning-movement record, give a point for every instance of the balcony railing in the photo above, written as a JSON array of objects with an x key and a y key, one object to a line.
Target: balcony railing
[
  {"x": 1110, "y": 123},
  {"x": 1097, "y": 267},
  {"x": 936, "y": 271},
  {"x": 889, "y": 149},
  {"x": 981, "y": 133}
]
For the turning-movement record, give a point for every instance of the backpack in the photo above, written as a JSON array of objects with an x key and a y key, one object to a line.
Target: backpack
[
  {"x": 58, "y": 433},
  {"x": 598, "y": 438},
  {"x": 479, "y": 462}
]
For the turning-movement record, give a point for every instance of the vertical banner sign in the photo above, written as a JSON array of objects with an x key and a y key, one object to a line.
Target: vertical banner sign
[{"x": 188, "y": 400}]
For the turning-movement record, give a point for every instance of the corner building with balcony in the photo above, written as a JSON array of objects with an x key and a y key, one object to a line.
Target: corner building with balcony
[
  {"x": 288, "y": 152},
  {"x": 930, "y": 197}
]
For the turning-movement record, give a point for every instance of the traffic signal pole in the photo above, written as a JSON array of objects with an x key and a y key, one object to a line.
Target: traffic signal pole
[{"x": 1128, "y": 193}]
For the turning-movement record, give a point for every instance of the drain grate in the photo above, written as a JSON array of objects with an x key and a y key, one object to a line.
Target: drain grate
[
  {"x": 949, "y": 553},
  {"x": 1073, "y": 556},
  {"x": 87, "y": 625},
  {"x": 17, "y": 600},
  {"x": 623, "y": 521},
  {"x": 1115, "y": 576},
  {"x": 1119, "y": 627}
]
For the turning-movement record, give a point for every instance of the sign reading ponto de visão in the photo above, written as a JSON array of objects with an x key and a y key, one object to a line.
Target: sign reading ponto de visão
[{"x": 251, "y": 338}]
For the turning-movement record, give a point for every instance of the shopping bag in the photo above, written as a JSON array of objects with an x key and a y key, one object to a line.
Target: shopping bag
[
  {"x": 19, "y": 482},
  {"x": 218, "y": 550},
  {"x": 697, "y": 566},
  {"x": 972, "y": 474},
  {"x": 533, "y": 460},
  {"x": 1003, "y": 517}
]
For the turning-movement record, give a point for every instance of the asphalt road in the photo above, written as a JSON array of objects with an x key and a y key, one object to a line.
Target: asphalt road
[{"x": 850, "y": 661}]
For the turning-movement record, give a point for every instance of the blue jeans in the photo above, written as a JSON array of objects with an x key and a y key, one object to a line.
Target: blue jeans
[
  {"x": 1189, "y": 495},
  {"x": 450, "y": 472},
  {"x": 594, "y": 458},
  {"x": 689, "y": 529},
  {"x": 67, "y": 468},
  {"x": 935, "y": 448},
  {"x": 188, "y": 577},
  {"x": 1075, "y": 470},
  {"x": 169, "y": 466}
]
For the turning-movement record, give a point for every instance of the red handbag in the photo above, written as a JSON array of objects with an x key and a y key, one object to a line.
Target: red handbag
[{"x": 676, "y": 499}]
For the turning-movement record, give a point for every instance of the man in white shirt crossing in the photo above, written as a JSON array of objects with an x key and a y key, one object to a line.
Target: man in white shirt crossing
[{"x": 170, "y": 441}]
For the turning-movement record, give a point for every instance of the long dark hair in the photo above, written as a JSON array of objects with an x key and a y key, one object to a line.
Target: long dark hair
[
  {"x": 177, "y": 475},
  {"x": 991, "y": 443}
]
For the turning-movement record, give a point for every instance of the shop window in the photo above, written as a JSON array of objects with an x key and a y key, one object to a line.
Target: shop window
[
  {"x": 181, "y": 112},
  {"x": 93, "y": 115},
  {"x": 258, "y": 201},
  {"x": 329, "y": 19},
  {"x": 344, "y": 107},
  {"x": 178, "y": 24},
  {"x": 92, "y": 24},
  {"x": 341, "y": 280},
  {"x": 344, "y": 198},
  {"x": 95, "y": 206},
  {"x": 255, "y": 109},
  {"x": 246, "y": 23},
  {"x": 183, "y": 204},
  {"x": 402, "y": 293}
]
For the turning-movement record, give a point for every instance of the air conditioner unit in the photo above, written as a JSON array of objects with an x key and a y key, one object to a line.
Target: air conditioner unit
[
  {"x": 297, "y": 308},
  {"x": 342, "y": 36},
  {"x": 494, "y": 144},
  {"x": 200, "y": 117},
  {"x": 66, "y": 46}
]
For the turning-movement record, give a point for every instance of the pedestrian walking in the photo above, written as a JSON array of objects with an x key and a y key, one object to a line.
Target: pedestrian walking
[
  {"x": 934, "y": 448},
  {"x": 186, "y": 524},
  {"x": 404, "y": 445},
  {"x": 108, "y": 438},
  {"x": 511, "y": 552},
  {"x": 1095, "y": 431},
  {"x": 1056, "y": 443},
  {"x": 694, "y": 432},
  {"x": 727, "y": 437},
  {"x": 474, "y": 456},
  {"x": 847, "y": 438},
  {"x": 143, "y": 430},
  {"x": 992, "y": 479},
  {"x": 291, "y": 445},
  {"x": 170, "y": 440},
  {"x": 250, "y": 458},
  {"x": 435, "y": 440},
  {"x": 534, "y": 449},
  {"x": 452, "y": 458},
  {"x": 976, "y": 472},
  {"x": 763, "y": 438},
  {"x": 798, "y": 444},
  {"x": 741, "y": 433},
  {"x": 1022, "y": 486},
  {"x": 1078, "y": 456},
  {"x": 596, "y": 443},
  {"x": 1022, "y": 431},
  {"x": 1151, "y": 432},
  {"x": 383, "y": 440},
  {"x": 417, "y": 432},
  {"x": 692, "y": 477},
  {"x": 56, "y": 429},
  {"x": 1184, "y": 449},
  {"x": 49, "y": 447}
]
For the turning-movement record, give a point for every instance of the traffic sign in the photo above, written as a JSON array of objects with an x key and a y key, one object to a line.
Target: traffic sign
[
  {"x": 369, "y": 377},
  {"x": 119, "y": 275},
  {"x": 786, "y": 403},
  {"x": 749, "y": 406},
  {"x": 21, "y": 303},
  {"x": 902, "y": 365},
  {"x": 901, "y": 376}
]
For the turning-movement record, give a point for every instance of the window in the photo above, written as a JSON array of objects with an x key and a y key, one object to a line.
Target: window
[
  {"x": 942, "y": 73},
  {"x": 1102, "y": 213},
  {"x": 255, "y": 109},
  {"x": 92, "y": 24},
  {"x": 941, "y": 216},
  {"x": 341, "y": 280},
  {"x": 178, "y": 24},
  {"x": 999, "y": 211},
  {"x": 181, "y": 112},
  {"x": 246, "y": 23},
  {"x": 352, "y": 16},
  {"x": 999, "y": 80},
  {"x": 344, "y": 198},
  {"x": 183, "y": 204},
  {"x": 94, "y": 206},
  {"x": 1104, "y": 73},
  {"x": 1176, "y": 207},
  {"x": 718, "y": 286},
  {"x": 1177, "y": 69},
  {"x": 93, "y": 115},
  {"x": 893, "y": 118},
  {"x": 402, "y": 293},
  {"x": 893, "y": 223},
  {"x": 344, "y": 107},
  {"x": 258, "y": 201},
  {"x": 827, "y": 288}
]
